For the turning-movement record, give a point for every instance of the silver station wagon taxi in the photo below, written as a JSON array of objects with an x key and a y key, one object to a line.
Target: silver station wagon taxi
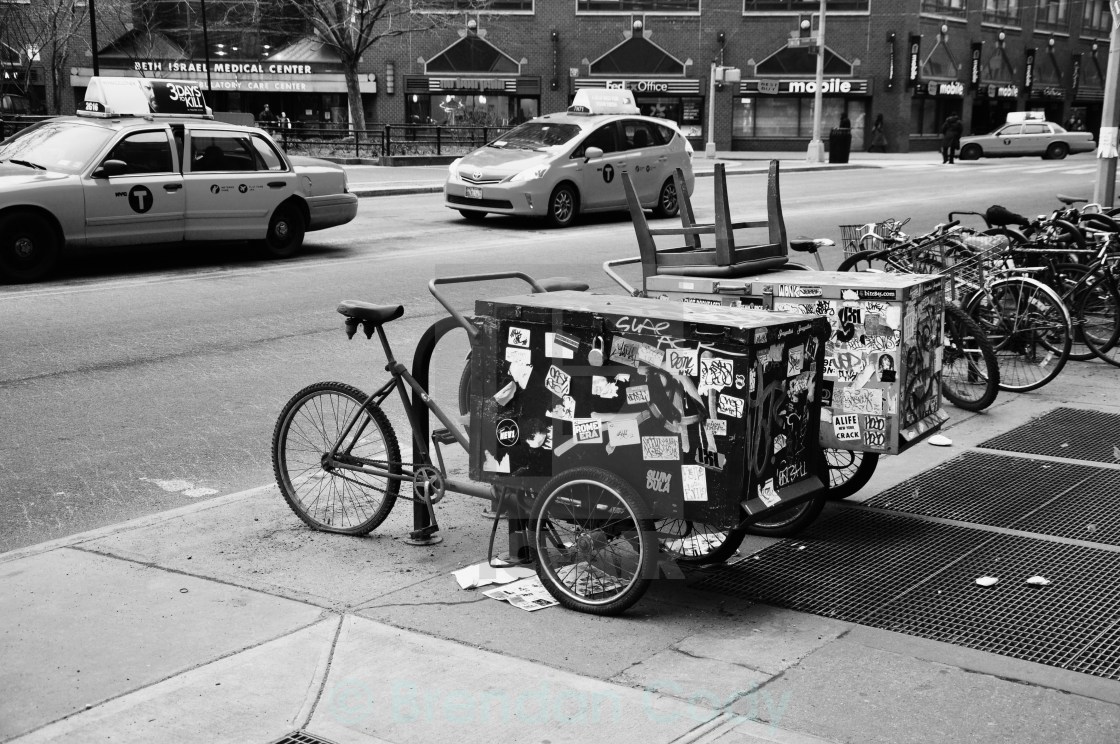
[
  {"x": 144, "y": 162},
  {"x": 560, "y": 165}
]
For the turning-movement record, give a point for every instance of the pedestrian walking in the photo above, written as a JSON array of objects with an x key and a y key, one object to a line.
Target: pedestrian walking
[
  {"x": 951, "y": 132},
  {"x": 878, "y": 136},
  {"x": 285, "y": 125},
  {"x": 266, "y": 118}
]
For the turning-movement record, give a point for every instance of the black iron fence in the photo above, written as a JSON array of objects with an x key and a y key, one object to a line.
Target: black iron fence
[{"x": 12, "y": 123}]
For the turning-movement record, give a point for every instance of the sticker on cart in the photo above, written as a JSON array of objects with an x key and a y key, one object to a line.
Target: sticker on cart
[
  {"x": 565, "y": 410},
  {"x": 910, "y": 326},
  {"x": 795, "y": 362},
  {"x": 846, "y": 427},
  {"x": 559, "y": 346},
  {"x": 517, "y": 355},
  {"x": 716, "y": 427},
  {"x": 507, "y": 432},
  {"x": 862, "y": 400},
  {"x": 650, "y": 355},
  {"x": 682, "y": 361},
  {"x": 519, "y": 336},
  {"x": 694, "y": 482},
  {"x": 849, "y": 295},
  {"x": 873, "y": 308},
  {"x": 767, "y": 494},
  {"x": 657, "y": 481},
  {"x": 624, "y": 351},
  {"x": 716, "y": 374},
  {"x": 661, "y": 448},
  {"x": 587, "y": 431},
  {"x": 637, "y": 394},
  {"x": 811, "y": 348},
  {"x": 492, "y": 464},
  {"x": 754, "y": 303},
  {"x": 875, "y": 432},
  {"x": 603, "y": 388},
  {"x": 779, "y": 443},
  {"x": 740, "y": 382},
  {"x": 623, "y": 432},
  {"x": 558, "y": 381},
  {"x": 538, "y": 435},
  {"x": 760, "y": 335},
  {"x": 830, "y": 367},
  {"x": 729, "y": 405},
  {"x": 521, "y": 373},
  {"x": 797, "y": 290},
  {"x": 711, "y": 460}
]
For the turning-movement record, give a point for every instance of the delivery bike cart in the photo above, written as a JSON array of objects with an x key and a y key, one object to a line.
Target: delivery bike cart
[
  {"x": 880, "y": 392},
  {"x": 593, "y": 420}
]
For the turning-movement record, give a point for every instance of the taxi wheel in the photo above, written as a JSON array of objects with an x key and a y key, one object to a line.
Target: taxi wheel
[
  {"x": 667, "y": 203},
  {"x": 971, "y": 152},
  {"x": 563, "y": 206},
  {"x": 29, "y": 248},
  {"x": 1056, "y": 151},
  {"x": 285, "y": 232}
]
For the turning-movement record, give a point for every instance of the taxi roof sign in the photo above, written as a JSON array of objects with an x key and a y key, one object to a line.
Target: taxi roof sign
[
  {"x": 133, "y": 96},
  {"x": 604, "y": 101}
]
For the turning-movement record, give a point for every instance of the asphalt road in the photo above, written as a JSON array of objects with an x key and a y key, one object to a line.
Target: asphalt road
[{"x": 144, "y": 380}]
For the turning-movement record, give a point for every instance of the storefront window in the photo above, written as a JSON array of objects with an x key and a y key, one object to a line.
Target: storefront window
[
  {"x": 927, "y": 114},
  {"x": 1001, "y": 11},
  {"x": 466, "y": 110},
  {"x": 792, "y": 117},
  {"x": 685, "y": 110}
]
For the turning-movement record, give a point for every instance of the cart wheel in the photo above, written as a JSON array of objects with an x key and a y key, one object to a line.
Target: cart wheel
[
  {"x": 594, "y": 539},
  {"x": 791, "y": 520},
  {"x": 696, "y": 544},
  {"x": 848, "y": 471}
]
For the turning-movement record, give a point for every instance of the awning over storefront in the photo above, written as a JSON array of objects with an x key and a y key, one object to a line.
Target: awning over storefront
[
  {"x": 472, "y": 54},
  {"x": 796, "y": 62},
  {"x": 637, "y": 56}
]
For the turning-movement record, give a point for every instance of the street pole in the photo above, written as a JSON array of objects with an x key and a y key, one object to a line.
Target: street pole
[
  {"x": 816, "y": 147},
  {"x": 206, "y": 44},
  {"x": 710, "y": 148},
  {"x": 93, "y": 36},
  {"x": 1105, "y": 189}
]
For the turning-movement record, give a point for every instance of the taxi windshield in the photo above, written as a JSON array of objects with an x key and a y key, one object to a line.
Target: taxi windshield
[
  {"x": 535, "y": 135},
  {"x": 62, "y": 146}
]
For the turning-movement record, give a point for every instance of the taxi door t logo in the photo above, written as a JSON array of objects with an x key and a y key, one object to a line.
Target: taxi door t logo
[
  {"x": 608, "y": 173},
  {"x": 140, "y": 199}
]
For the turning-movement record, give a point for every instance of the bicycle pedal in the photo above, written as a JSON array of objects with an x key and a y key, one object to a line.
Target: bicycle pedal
[
  {"x": 443, "y": 436},
  {"x": 424, "y": 532}
]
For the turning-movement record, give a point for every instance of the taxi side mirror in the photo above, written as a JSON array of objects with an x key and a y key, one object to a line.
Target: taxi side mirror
[
  {"x": 592, "y": 153},
  {"x": 110, "y": 168}
]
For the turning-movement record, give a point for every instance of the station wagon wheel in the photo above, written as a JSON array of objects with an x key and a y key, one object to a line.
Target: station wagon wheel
[
  {"x": 563, "y": 205},
  {"x": 285, "y": 232},
  {"x": 29, "y": 247},
  {"x": 471, "y": 216},
  {"x": 667, "y": 203},
  {"x": 971, "y": 152},
  {"x": 1057, "y": 151}
]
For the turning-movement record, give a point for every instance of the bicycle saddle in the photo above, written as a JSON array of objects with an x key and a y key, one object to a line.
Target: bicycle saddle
[
  {"x": 1069, "y": 200},
  {"x": 369, "y": 313},
  {"x": 560, "y": 283},
  {"x": 810, "y": 245},
  {"x": 1002, "y": 217}
]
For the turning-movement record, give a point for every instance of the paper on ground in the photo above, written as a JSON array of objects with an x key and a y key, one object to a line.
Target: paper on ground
[
  {"x": 528, "y": 594},
  {"x": 483, "y": 574}
]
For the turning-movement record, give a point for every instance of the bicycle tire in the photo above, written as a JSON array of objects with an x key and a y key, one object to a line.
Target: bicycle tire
[
  {"x": 969, "y": 367},
  {"x": 863, "y": 261},
  {"x": 696, "y": 544},
  {"x": 1029, "y": 329},
  {"x": 790, "y": 520},
  {"x": 1105, "y": 349},
  {"x": 848, "y": 471},
  {"x": 465, "y": 388},
  {"x": 1097, "y": 314},
  {"x": 308, "y": 427},
  {"x": 594, "y": 541}
]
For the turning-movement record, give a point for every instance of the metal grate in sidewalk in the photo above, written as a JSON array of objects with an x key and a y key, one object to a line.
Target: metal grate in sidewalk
[
  {"x": 1074, "y": 433},
  {"x": 301, "y": 737}
]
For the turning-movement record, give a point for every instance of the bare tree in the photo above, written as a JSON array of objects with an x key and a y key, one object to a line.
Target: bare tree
[{"x": 352, "y": 27}]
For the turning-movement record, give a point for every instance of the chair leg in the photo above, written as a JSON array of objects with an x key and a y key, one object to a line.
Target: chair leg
[
  {"x": 725, "y": 239},
  {"x": 688, "y": 217}
]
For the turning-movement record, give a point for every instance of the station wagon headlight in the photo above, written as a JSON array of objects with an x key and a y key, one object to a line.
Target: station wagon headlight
[
  {"x": 530, "y": 174},
  {"x": 453, "y": 170}
]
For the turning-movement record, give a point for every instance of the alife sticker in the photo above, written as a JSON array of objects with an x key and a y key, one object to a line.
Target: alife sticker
[{"x": 846, "y": 427}]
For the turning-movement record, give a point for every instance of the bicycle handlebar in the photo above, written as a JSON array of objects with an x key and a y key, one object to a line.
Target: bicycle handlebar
[
  {"x": 607, "y": 267},
  {"x": 471, "y": 328}
]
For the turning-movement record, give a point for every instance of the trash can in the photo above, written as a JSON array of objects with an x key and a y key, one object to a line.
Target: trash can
[{"x": 839, "y": 145}]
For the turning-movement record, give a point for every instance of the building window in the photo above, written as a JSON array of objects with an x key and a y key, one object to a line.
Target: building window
[
  {"x": 520, "y": 6},
  {"x": 1096, "y": 17},
  {"x": 792, "y": 117},
  {"x": 954, "y": 8},
  {"x": 802, "y": 6},
  {"x": 637, "y": 6},
  {"x": 1053, "y": 14},
  {"x": 1001, "y": 11}
]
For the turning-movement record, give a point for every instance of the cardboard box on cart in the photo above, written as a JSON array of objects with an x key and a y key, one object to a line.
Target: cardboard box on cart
[
  {"x": 882, "y": 371},
  {"x": 704, "y": 412}
]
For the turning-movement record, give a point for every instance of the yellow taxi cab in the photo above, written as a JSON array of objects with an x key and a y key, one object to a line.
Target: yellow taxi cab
[
  {"x": 145, "y": 162},
  {"x": 561, "y": 165}
]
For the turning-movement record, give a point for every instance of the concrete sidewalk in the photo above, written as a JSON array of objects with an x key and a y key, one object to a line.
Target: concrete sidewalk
[
  {"x": 229, "y": 621},
  {"x": 375, "y": 180}
]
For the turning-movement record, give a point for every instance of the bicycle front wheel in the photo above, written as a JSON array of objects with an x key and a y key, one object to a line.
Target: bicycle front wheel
[
  {"x": 1091, "y": 296},
  {"x": 1029, "y": 329},
  {"x": 969, "y": 367},
  {"x": 350, "y": 502},
  {"x": 1100, "y": 330},
  {"x": 594, "y": 540}
]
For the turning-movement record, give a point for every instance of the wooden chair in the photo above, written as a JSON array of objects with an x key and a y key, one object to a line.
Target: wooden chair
[{"x": 724, "y": 258}]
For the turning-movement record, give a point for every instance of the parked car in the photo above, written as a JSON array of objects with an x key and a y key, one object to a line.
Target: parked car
[
  {"x": 561, "y": 165},
  {"x": 1029, "y": 137},
  {"x": 144, "y": 162}
]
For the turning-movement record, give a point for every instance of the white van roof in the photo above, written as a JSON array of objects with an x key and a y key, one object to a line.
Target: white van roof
[
  {"x": 133, "y": 96},
  {"x": 604, "y": 101}
]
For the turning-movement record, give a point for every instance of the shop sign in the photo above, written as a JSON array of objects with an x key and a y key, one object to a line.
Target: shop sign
[
  {"x": 474, "y": 84},
  {"x": 831, "y": 86},
  {"x": 647, "y": 86},
  {"x": 955, "y": 88},
  {"x": 236, "y": 68},
  {"x": 639, "y": 86},
  {"x": 914, "y": 71},
  {"x": 1028, "y": 71},
  {"x": 1050, "y": 92},
  {"x": 974, "y": 74},
  {"x": 768, "y": 86},
  {"x": 1003, "y": 91}
]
